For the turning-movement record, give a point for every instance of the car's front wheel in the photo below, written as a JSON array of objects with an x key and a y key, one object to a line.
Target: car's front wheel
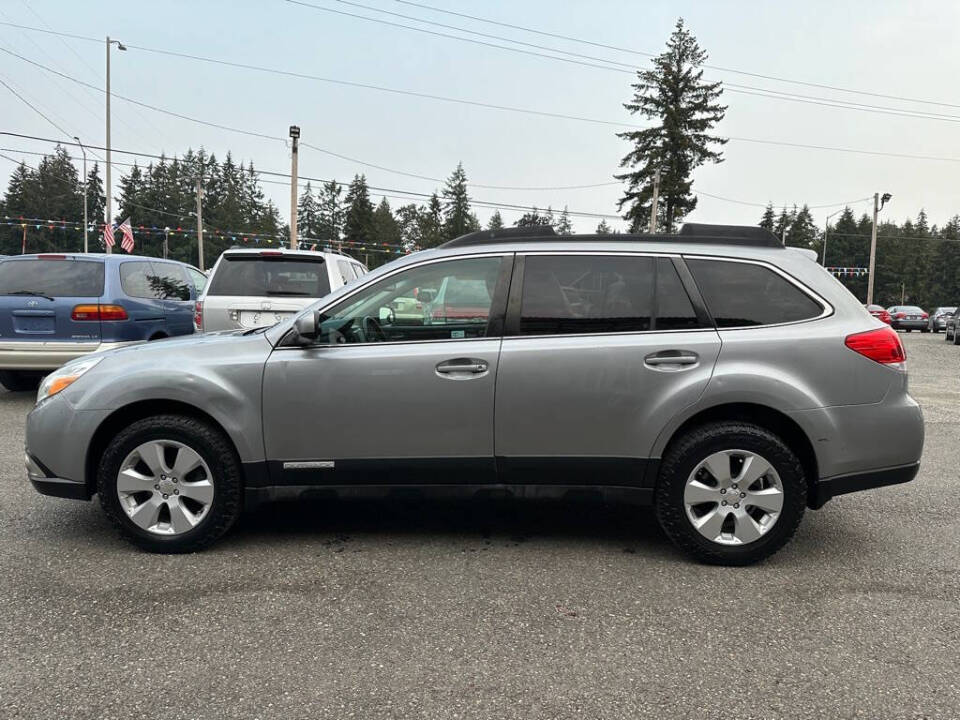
[
  {"x": 170, "y": 483},
  {"x": 730, "y": 493},
  {"x": 20, "y": 380}
]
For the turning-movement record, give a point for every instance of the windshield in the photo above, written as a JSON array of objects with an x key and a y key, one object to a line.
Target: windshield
[
  {"x": 53, "y": 278},
  {"x": 257, "y": 275}
]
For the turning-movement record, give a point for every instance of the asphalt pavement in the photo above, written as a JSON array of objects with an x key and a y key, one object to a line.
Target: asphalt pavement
[{"x": 489, "y": 610}]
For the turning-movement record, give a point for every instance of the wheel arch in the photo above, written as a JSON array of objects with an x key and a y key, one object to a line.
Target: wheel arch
[
  {"x": 124, "y": 416},
  {"x": 763, "y": 416}
]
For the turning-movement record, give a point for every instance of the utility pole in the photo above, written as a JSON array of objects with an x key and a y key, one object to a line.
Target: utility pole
[
  {"x": 23, "y": 245},
  {"x": 84, "y": 151},
  {"x": 166, "y": 242},
  {"x": 656, "y": 198},
  {"x": 109, "y": 187},
  {"x": 826, "y": 231},
  {"x": 200, "y": 223},
  {"x": 295, "y": 136},
  {"x": 878, "y": 203}
]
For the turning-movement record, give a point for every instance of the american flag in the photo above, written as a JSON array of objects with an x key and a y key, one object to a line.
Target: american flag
[
  {"x": 108, "y": 235},
  {"x": 127, "y": 231}
]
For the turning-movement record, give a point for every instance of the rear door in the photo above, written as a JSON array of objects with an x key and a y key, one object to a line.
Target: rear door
[
  {"x": 258, "y": 289},
  {"x": 600, "y": 351},
  {"x": 143, "y": 301},
  {"x": 39, "y": 293},
  {"x": 175, "y": 290}
]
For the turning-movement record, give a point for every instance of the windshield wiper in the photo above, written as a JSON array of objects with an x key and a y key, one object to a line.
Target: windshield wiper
[{"x": 32, "y": 293}]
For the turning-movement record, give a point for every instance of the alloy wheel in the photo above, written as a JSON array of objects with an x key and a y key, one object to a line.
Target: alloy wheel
[
  {"x": 165, "y": 487},
  {"x": 733, "y": 497}
]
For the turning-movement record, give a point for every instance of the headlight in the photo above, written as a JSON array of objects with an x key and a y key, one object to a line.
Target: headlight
[{"x": 64, "y": 377}]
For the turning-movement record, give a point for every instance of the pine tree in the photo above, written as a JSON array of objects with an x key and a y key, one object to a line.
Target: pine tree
[
  {"x": 533, "y": 218},
  {"x": 457, "y": 218},
  {"x": 783, "y": 223},
  {"x": 330, "y": 212},
  {"x": 358, "y": 219},
  {"x": 495, "y": 222},
  {"x": 769, "y": 218},
  {"x": 564, "y": 226},
  {"x": 96, "y": 204},
  {"x": 386, "y": 229},
  {"x": 802, "y": 232},
  {"x": 431, "y": 224},
  {"x": 674, "y": 94},
  {"x": 308, "y": 214},
  {"x": 603, "y": 228},
  {"x": 410, "y": 223}
]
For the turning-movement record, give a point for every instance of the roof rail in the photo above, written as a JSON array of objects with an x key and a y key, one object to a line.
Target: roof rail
[
  {"x": 730, "y": 234},
  {"x": 482, "y": 237}
]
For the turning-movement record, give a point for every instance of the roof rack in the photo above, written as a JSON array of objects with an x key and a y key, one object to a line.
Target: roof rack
[{"x": 747, "y": 235}]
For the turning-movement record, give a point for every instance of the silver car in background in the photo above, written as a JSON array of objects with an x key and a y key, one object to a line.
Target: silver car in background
[
  {"x": 723, "y": 378},
  {"x": 256, "y": 288},
  {"x": 938, "y": 318}
]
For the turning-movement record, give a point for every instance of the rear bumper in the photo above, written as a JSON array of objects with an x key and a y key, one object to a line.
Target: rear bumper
[
  {"x": 41, "y": 355},
  {"x": 910, "y": 324},
  {"x": 827, "y": 488}
]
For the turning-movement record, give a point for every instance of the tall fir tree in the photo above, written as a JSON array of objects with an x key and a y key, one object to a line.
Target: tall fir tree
[
  {"x": 533, "y": 218},
  {"x": 564, "y": 226},
  {"x": 432, "y": 231},
  {"x": 685, "y": 108},
  {"x": 457, "y": 218},
  {"x": 308, "y": 214},
  {"x": 358, "y": 219},
  {"x": 386, "y": 229},
  {"x": 802, "y": 232},
  {"x": 496, "y": 221},
  {"x": 330, "y": 212},
  {"x": 603, "y": 228},
  {"x": 769, "y": 218}
]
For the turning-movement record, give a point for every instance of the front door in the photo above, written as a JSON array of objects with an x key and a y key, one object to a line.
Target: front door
[
  {"x": 600, "y": 352},
  {"x": 393, "y": 391}
]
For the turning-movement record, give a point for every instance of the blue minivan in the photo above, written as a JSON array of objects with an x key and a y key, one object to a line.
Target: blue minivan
[{"x": 57, "y": 307}]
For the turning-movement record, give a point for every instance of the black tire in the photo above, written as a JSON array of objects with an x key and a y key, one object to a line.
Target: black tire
[
  {"x": 925, "y": 330},
  {"x": 218, "y": 453},
  {"x": 946, "y": 336},
  {"x": 20, "y": 380},
  {"x": 956, "y": 337},
  {"x": 682, "y": 458}
]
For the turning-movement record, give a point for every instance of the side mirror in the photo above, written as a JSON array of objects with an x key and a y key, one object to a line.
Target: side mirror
[{"x": 307, "y": 327}]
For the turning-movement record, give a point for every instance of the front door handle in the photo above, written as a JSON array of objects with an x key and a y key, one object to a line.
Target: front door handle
[
  {"x": 471, "y": 366},
  {"x": 672, "y": 357}
]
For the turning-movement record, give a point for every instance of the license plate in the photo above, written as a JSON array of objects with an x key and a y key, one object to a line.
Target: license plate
[
  {"x": 27, "y": 324},
  {"x": 261, "y": 318}
]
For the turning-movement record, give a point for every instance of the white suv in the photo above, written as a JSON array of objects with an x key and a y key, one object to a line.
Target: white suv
[{"x": 258, "y": 288}]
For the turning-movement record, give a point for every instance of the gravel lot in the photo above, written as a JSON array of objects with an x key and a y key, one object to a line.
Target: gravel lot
[{"x": 498, "y": 610}]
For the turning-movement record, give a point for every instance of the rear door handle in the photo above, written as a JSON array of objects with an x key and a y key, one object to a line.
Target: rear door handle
[
  {"x": 462, "y": 365},
  {"x": 672, "y": 357}
]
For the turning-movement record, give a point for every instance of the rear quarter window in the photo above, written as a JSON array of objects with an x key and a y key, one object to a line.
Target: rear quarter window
[{"x": 740, "y": 294}]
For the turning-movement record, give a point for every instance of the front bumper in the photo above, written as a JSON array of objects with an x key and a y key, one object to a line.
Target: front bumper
[
  {"x": 42, "y": 355},
  {"x": 827, "y": 488},
  {"x": 46, "y": 483}
]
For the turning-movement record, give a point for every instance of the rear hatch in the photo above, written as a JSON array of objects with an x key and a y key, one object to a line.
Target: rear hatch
[
  {"x": 257, "y": 289},
  {"x": 38, "y": 294}
]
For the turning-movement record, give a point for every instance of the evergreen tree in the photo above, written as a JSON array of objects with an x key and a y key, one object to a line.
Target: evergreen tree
[
  {"x": 410, "y": 223},
  {"x": 358, "y": 219},
  {"x": 802, "y": 232},
  {"x": 96, "y": 204},
  {"x": 532, "y": 219},
  {"x": 308, "y": 214},
  {"x": 686, "y": 108},
  {"x": 330, "y": 212},
  {"x": 431, "y": 224},
  {"x": 603, "y": 228},
  {"x": 783, "y": 223},
  {"x": 769, "y": 218},
  {"x": 457, "y": 218},
  {"x": 495, "y": 222},
  {"x": 386, "y": 229},
  {"x": 564, "y": 226}
]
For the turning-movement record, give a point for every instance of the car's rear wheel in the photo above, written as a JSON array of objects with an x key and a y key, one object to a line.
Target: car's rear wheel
[
  {"x": 20, "y": 380},
  {"x": 956, "y": 337},
  {"x": 730, "y": 493},
  {"x": 170, "y": 483}
]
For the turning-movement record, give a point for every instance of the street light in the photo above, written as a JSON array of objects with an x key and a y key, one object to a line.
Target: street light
[
  {"x": 826, "y": 230},
  {"x": 109, "y": 219},
  {"x": 878, "y": 203},
  {"x": 84, "y": 151}
]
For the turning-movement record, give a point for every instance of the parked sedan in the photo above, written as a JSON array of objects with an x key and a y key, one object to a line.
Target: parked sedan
[
  {"x": 938, "y": 318},
  {"x": 879, "y": 313},
  {"x": 908, "y": 317},
  {"x": 950, "y": 333}
]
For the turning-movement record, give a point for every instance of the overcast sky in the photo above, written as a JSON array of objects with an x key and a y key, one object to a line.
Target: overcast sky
[{"x": 892, "y": 48}]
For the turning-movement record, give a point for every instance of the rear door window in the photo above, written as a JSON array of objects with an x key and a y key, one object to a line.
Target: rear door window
[
  {"x": 198, "y": 278},
  {"x": 567, "y": 294},
  {"x": 346, "y": 271},
  {"x": 674, "y": 310},
  {"x": 134, "y": 279},
  {"x": 740, "y": 294},
  {"x": 169, "y": 281},
  {"x": 260, "y": 276},
  {"x": 53, "y": 278}
]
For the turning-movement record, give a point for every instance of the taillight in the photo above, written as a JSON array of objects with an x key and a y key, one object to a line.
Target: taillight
[
  {"x": 98, "y": 312},
  {"x": 925, "y": 316},
  {"x": 198, "y": 315},
  {"x": 881, "y": 345}
]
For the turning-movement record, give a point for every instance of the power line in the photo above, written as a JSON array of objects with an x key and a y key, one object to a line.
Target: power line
[
  {"x": 763, "y": 205},
  {"x": 33, "y": 107},
  {"x": 642, "y": 53}
]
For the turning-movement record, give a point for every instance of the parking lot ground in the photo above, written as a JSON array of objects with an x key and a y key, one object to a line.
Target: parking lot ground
[{"x": 492, "y": 610}]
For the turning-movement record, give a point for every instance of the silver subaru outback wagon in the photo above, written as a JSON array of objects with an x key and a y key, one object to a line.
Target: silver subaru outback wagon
[{"x": 725, "y": 379}]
